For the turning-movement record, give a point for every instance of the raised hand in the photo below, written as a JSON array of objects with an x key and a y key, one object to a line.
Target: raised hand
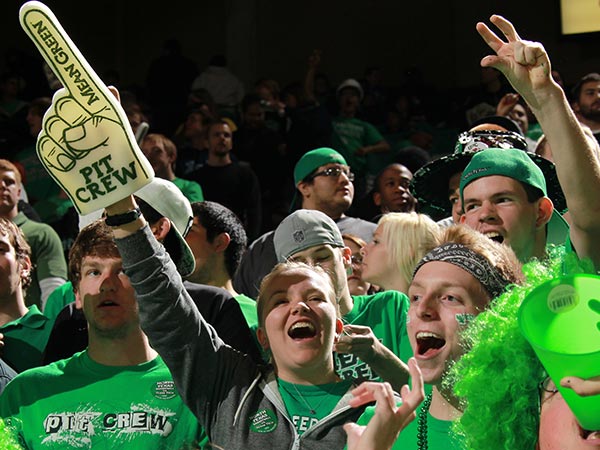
[
  {"x": 524, "y": 63},
  {"x": 86, "y": 142},
  {"x": 389, "y": 419},
  {"x": 358, "y": 340},
  {"x": 506, "y": 103}
]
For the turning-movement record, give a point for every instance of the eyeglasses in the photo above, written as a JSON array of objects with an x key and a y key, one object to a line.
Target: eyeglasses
[
  {"x": 334, "y": 172},
  {"x": 546, "y": 385},
  {"x": 357, "y": 259}
]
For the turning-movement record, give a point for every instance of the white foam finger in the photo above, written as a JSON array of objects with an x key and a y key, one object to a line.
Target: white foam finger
[
  {"x": 70, "y": 111},
  {"x": 87, "y": 145},
  {"x": 63, "y": 57},
  {"x": 53, "y": 157}
]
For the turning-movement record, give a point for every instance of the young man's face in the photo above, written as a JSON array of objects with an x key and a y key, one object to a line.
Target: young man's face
[
  {"x": 356, "y": 283},
  {"x": 394, "y": 190},
  {"x": 497, "y": 206},
  {"x": 194, "y": 126},
  {"x": 204, "y": 253},
  {"x": 559, "y": 430},
  {"x": 254, "y": 116},
  {"x": 588, "y": 104},
  {"x": 158, "y": 156},
  {"x": 327, "y": 193},
  {"x": 349, "y": 100},
  {"x": 519, "y": 114},
  {"x": 299, "y": 324},
  {"x": 11, "y": 272},
  {"x": 107, "y": 297},
  {"x": 219, "y": 139},
  {"x": 10, "y": 190},
  {"x": 334, "y": 260},
  {"x": 443, "y": 299}
]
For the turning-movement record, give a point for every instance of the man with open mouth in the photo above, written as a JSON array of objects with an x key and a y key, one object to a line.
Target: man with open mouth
[{"x": 451, "y": 285}]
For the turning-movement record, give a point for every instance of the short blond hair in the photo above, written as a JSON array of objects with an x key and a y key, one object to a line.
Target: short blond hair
[{"x": 409, "y": 237}]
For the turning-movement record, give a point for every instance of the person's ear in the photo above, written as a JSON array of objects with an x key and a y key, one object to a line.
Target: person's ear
[
  {"x": 304, "y": 188},
  {"x": 544, "y": 212},
  {"x": 78, "y": 301},
  {"x": 339, "y": 326},
  {"x": 161, "y": 228},
  {"x": 261, "y": 335},
  {"x": 221, "y": 242},
  {"x": 25, "y": 268},
  {"x": 347, "y": 256},
  {"x": 377, "y": 198}
]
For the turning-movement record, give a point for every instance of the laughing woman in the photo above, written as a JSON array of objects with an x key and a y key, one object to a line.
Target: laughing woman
[{"x": 296, "y": 402}]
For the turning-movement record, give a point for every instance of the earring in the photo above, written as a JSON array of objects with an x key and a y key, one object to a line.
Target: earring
[{"x": 349, "y": 270}]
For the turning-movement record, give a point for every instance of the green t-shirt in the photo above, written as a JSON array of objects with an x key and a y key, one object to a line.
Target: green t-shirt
[
  {"x": 385, "y": 313},
  {"x": 307, "y": 404},
  {"x": 58, "y": 299},
  {"x": 190, "y": 189},
  {"x": 47, "y": 255},
  {"x": 350, "y": 134},
  {"x": 248, "y": 307},
  {"x": 439, "y": 434},
  {"x": 78, "y": 403},
  {"x": 25, "y": 339}
]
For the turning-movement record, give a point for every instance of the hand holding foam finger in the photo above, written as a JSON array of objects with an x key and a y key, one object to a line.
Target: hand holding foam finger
[{"x": 86, "y": 142}]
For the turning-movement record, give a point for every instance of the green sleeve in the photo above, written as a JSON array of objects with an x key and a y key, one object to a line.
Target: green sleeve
[{"x": 372, "y": 135}]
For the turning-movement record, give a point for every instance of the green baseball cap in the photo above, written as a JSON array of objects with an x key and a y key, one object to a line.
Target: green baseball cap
[
  {"x": 314, "y": 159},
  {"x": 520, "y": 166},
  {"x": 510, "y": 163}
]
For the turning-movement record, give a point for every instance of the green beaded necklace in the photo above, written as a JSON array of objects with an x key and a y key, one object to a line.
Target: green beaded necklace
[{"x": 422, "y": 423}]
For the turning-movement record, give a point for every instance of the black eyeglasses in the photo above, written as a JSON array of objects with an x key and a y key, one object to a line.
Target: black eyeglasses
[
  {"x": 546, "y": 385},
  {"x": 334, "y": 172}
]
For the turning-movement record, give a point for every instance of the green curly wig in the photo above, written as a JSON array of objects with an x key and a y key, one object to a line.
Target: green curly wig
[
  {"x": 7, "y": 442},
  {"x": 497, "y": 379}
]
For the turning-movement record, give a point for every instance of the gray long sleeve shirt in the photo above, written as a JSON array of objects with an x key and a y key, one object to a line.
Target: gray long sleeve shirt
[{"x": 236, "y": 401}]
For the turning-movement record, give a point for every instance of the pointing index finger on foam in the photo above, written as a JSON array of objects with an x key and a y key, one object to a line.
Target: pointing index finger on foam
[{"x": 63, "y": 57}]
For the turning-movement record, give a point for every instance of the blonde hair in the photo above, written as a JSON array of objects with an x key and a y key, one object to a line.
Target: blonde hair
[{"x": 409, "y": 237}]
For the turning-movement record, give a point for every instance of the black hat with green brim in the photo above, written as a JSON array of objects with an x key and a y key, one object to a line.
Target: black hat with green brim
[{"x": 430, "y": 182}]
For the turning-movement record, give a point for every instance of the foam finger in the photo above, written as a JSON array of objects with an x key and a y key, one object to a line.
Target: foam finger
[
  {"x": 53, "y": 156},
  {"x": 63, "y": 57},
  {"x": 70, "y": 111}
]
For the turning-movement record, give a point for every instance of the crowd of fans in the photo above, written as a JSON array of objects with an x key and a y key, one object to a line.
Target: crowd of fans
[{"x": 302, "y": 255}]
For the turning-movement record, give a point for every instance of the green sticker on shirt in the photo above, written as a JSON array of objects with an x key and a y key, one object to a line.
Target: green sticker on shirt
[
  {"x": 264, "y": 421},
  {"x": 164, "y": 390}
]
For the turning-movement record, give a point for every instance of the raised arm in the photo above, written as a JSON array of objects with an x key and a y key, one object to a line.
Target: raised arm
[{"x": 526, "y": 65}]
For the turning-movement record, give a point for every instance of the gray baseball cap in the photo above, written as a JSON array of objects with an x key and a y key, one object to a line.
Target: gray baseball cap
[{"x": 303, "y": 229}]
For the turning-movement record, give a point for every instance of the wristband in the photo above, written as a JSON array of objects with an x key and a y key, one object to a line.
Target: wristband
[{"x": 122, "y": 219}]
